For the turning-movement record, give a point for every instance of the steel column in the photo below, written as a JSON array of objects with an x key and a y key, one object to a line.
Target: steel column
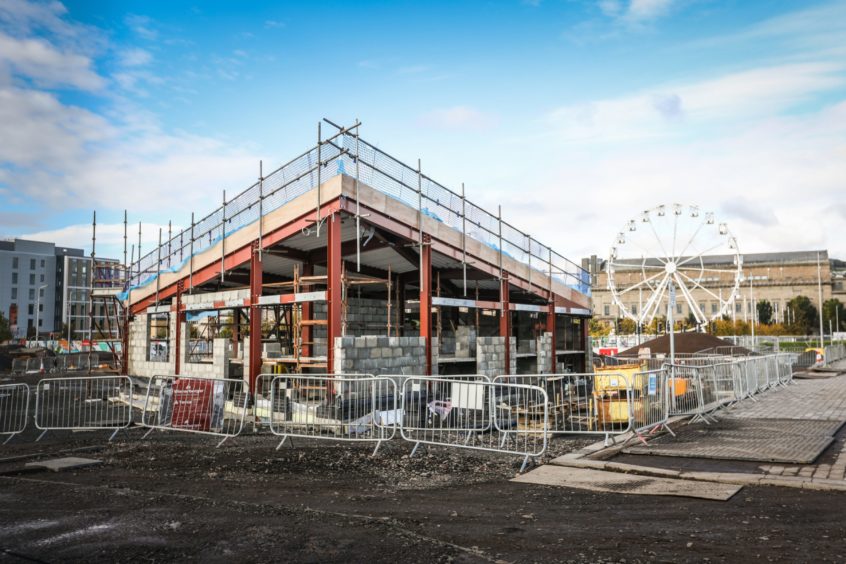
[
  {"x": 426, "y": 298},
  {"x": 180, "y": 317},
  {"x": 334, "y": 291},
  {"x": 505, "y": 320},
  {"x": 550, "y": 328},
  {"x": 255, "y": 314}
]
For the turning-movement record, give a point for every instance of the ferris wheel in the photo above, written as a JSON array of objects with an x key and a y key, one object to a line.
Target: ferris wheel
[{"x": 674, "y": 254}]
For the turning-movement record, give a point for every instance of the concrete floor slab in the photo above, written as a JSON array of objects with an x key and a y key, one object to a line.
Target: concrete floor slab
[
  {"x": 615, "y": 482},
  {"x": 67, "y": 463}
]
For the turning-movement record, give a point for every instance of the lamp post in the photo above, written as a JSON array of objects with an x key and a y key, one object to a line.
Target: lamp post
[
  {"x": 37, "y": 311},
  {"x": 819, "y": 289}
]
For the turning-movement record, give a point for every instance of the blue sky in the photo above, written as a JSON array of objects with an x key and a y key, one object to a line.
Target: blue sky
[{"x": 574, "y": 115}]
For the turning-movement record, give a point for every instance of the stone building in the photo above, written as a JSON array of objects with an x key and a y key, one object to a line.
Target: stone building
[{"x": 775, "y": 277}]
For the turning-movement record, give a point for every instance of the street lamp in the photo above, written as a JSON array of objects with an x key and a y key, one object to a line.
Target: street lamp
[{"x": 38, "y": 311}]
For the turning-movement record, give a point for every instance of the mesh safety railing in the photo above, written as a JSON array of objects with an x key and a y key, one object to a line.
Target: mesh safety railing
[{"x": 345, "y": 153}]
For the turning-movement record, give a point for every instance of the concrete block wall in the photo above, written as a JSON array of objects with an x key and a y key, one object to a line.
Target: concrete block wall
[
  {"x": 490, "y": 356},
  {"x": 378, "y": 355},
  {"x": 139, "y": 345},
  {"x": 544, "y": 350},
  {"x": 219, "y": 367}
]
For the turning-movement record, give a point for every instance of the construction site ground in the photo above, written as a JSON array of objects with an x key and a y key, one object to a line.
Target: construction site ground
[{"x": 174, "y": 496}]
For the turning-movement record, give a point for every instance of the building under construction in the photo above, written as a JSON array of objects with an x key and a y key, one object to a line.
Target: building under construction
[{"x": 346, "y": 260}]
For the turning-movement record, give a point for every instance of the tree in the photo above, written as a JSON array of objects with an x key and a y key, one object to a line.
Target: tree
[
  {"x": 599, "y": 329},
  {"x": 626, "y": 327},
  {"x": 803, "y": 316},
  {"x": 765, "y": 312},
  {"x": 5, "y": 331},
  {"x": 834, "y": 311}
]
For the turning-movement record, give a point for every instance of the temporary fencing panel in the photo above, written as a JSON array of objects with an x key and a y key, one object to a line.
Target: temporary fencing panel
[
  {"x": 650, "y": 407},
  {"x": 594, "y": 403},
  {"x": 19, "y": 365},
  {"x": 325, "y": 406},
  {"x": 14, "y": 409},
  {"x": 689, "y": 392},
  {"x": 207, "y": 406},
  {"x": 83, "y": 402},
  {"x": 475, "y": 414}
]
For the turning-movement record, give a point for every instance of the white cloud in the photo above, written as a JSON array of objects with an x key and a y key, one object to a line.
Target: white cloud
[
  {"x": 457, "y": 117},
  {"x": 634, "y": 13},
  {"x": 143, "y": 26},
  {"x": 47, "y": 66},
  {"x": 273, "y": 24},
  {"x": 731, "y": 99},
  {"x": 109, "y": 237},
  {"x": 135, "y": 57}
]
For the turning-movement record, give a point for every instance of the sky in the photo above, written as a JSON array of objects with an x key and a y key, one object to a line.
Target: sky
[{"x": 574, "y": 115}]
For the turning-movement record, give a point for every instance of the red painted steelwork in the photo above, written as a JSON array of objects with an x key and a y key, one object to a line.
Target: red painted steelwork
[
  {"x": 238, "y": 257},
  {"x": 255, "y": 314},
  {"x": 385, "y": 222},
  {"x": 334, "y": 290},
  {"x": 505, "y": 320},
  {"x": 426, "y": 299},
  {"x": 180, "y": 317}
]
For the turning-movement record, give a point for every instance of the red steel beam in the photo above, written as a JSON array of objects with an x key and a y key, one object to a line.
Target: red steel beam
[
  {"x": 334, "y": 291},
  {"x": 239, "y": 256},
  {"x": 426, "y": 299},
  {"x": 180, "y": 316},
  {"x": 505, "y": 320},
  {"x": 255, "y": 314},
  {"x": 398, "y": 228}
]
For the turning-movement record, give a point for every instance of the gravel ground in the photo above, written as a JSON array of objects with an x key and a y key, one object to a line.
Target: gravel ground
[{"x": 174, "y": 497}]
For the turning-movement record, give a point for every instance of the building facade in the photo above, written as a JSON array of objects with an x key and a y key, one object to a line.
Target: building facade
[
  {"x": 775, "y": 277},
  {"x": 47, "y": 286}
]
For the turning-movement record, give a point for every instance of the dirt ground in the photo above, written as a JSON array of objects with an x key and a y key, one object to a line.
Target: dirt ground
[{"x": 174, "y": 497}]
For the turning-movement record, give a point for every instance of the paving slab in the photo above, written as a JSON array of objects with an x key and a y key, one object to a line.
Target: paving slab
[
  {"x": 616, "y": 482},
  {"x": 67, "y": 463},
  {"x": 762, "y": 440}
]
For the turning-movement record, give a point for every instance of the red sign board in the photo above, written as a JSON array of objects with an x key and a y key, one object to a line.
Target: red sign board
[
  {"x": 192, "y": 405},
  {"x": 608, "y": 351}
]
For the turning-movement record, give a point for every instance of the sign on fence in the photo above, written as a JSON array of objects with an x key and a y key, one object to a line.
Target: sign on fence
[{"x": 195, "y": 405}]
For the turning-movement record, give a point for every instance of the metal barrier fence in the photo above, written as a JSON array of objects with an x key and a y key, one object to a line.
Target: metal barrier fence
[
  {"x": 83, "y": 403},
  {"x": 475, "y": 414},
  {"x": 833, "y": 353},
  {"x": 649, "y": 403},
  {"x": 206, "y": 406},
  {"x": 19, "y": 365},
  {"x": 14, "y": 409},
  {"x": 357, "y": 407},
  {"x": 592, "y": 403}
]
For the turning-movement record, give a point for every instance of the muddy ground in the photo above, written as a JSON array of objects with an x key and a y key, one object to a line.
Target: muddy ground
[{"x": 174, "y": 497}]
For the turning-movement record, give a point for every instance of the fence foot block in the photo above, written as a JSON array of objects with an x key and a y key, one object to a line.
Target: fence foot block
[{"x": 282, "y": 442}]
